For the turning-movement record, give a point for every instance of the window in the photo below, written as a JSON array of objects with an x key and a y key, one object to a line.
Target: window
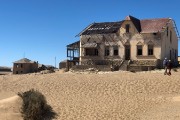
[
  {"x": 17, "y": 65},
  {"x": 116, "y": 51},
  {"x": 91, "y": 52},
  {"x": 170, "y": 54},
  {"x": 170, "y": 36},
  {"x": 127, "y": 28},
  {"x": 139, "y": 49},
  {"x": 16, "y": 72},
  {"x": 106, "y": 51},
  {"x": 154, "y": 34},
  {"x": 21, "y": 65},
  {"x": 150, "y": 49},
  {"x": 175, "y": 54},
  {"x": 21, "y": 71}
]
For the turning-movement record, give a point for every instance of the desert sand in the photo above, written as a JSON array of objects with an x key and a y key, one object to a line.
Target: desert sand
[
  {"x": 10, "y": 108},
  {"x": 103, "y": 96}
]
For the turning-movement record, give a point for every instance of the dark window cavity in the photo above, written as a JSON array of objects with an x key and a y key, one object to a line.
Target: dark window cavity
[
  {"x": 127, "y": 28},
  {"x": 170, "y": 36},
  {"x": 139, "y": 49},
  {"x": 91, "y": 52},
  {"x": 150, "y": 49},
  {"x": 106, "y": 51},
  {"x": 116, "y": 51}
]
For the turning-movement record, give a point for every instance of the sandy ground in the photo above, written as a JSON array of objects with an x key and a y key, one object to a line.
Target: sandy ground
[
  {"x": 103, "y": 96},
  {"x": 10, "y": 108}
]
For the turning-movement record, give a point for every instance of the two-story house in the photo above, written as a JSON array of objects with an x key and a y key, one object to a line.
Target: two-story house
[{"x": 145, "y": 42}]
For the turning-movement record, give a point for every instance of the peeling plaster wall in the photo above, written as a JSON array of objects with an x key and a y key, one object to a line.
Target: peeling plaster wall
[{"x": 160, "y": 41}]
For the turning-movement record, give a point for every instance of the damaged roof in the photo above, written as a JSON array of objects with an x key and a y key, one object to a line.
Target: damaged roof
[
  {"x": 24, "y": 60},
  {"x": 102, "y": 28},
  {"x": 142, "y": 26},
  {"x": 74, "y": 45}
]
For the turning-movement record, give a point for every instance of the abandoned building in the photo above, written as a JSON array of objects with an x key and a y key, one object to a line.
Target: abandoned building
[
  {"x": 24, "y": 66},
  {"x": 128, "y": 44},
  {"x": 72, "y": 54}
]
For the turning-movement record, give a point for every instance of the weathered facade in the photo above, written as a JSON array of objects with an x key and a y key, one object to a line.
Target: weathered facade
[
  {"x": 126, "y": 44},
  {"x": 73, "y": 51},
  {"x": 24, "y": 66},
  {"x": 145, "y": 42}
]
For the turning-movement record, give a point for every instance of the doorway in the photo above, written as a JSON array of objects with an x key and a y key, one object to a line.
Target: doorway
[{"x": 127, "y": 52}]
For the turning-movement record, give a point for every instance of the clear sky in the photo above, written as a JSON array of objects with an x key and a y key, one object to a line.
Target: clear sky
[{"x": 41, "y": 29}]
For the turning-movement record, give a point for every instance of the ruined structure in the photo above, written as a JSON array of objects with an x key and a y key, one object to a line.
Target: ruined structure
[
  {"x": 129, "y": 44},
  {"x": 24, "y": 66}
]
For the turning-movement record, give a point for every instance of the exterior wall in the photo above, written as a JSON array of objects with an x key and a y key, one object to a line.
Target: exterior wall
[
  {"x": 167, "y": 45},
  {"x": 62, "y": 65},
  {"x": 102, "y": 41},
  {"x": 23, "y": 68},
  {"x": 160, "y": 41},
  {"x": 134, "y": 38}
]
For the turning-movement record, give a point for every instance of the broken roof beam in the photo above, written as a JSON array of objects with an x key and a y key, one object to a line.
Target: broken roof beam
[{"x": 102, "y": 28}]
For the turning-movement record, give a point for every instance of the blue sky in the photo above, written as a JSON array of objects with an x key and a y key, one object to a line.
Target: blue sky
[{"x": 41, "y": 29}]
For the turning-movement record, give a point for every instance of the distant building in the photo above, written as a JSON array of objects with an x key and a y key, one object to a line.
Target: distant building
[
  {"x": 24, "y": 66},
  {"x": 5, "y": 70},
  {"x": 179, "y": 59},
  {"x": 63, "y": 64}
]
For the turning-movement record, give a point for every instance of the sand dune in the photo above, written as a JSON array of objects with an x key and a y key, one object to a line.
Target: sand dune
[
  {"x": 10, "y": 108},
  {"x": 104, "y": 96}
]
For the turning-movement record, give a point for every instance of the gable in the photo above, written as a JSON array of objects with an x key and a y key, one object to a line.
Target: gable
[
  {"x": 135, "y": 21},
  {"x": 132, "y": 28}
]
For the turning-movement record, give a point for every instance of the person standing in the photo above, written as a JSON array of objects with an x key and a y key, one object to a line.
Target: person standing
[
  {"x": 165, "y": 62},
  {"x": 169, "y": 67}
]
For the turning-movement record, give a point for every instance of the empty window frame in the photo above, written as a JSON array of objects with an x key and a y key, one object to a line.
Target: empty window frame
[
  {"x": 150, "y": 49},
  {"x": 170, "y": 36},
  {"x": 91, "y": 52},
  {"x": 127, "y": 28},
  {"x": 116, "y": 50},
  {"x": 21, "y": 65},
  {"x": 170, "y": 54},
  {"x": 106, "y": 51},
  {"x": 17, "y": 65},
  {"x": 139, "y": 49}
]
